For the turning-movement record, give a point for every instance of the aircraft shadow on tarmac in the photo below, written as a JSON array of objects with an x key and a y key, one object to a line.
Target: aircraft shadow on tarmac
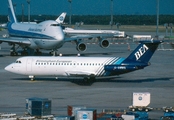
[{"x": 79, "y": 81}]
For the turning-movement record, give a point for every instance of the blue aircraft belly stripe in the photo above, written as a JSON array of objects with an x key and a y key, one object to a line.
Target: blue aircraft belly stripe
[{"x": 119, "y": 61}]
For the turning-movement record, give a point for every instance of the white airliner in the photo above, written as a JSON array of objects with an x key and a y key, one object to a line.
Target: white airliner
[
  {"x": 87, "y": 67},
  {"x": 45, "y": 35}
]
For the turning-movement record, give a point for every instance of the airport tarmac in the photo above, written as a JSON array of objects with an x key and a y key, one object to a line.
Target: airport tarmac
[{"x": 158, "y": 79}]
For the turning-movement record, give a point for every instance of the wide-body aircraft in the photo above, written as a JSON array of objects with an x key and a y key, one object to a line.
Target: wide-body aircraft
[
  {"x": 87, "y": 67},
  {"x": 45, "y": 35}
]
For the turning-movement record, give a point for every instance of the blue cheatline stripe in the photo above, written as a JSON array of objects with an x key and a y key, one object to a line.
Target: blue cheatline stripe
[
  {"x": 18, "y": 33},
  {"x": 101, "y": 70},
  {"x": 119, "y": 61},
  {"x": 111, "y": 61}
]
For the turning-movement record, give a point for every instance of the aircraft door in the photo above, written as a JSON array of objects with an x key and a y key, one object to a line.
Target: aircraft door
[{"x": 29, "y": 65}]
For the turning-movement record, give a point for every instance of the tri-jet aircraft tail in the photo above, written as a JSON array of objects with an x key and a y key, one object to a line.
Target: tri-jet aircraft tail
[
  {"x": 138, "y": 59},
  {"x": 144, "y": 51}
]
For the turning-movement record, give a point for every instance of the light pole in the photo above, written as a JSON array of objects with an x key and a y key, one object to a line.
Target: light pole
[
  {"x": 111, "y": 23},
  {"x": 28, "y": 1},
  {"x": 157, "y": 17},
  {"x": 22, "y": 12},
  {"x": 70, "y": 11}
]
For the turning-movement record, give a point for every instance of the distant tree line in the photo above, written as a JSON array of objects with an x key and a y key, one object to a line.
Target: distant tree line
[{"x": 102, "y": 19}]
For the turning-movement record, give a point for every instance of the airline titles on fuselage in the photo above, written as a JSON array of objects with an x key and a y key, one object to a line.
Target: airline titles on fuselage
[
  {"x": 66, "y": 62},
  {"x": 53, "y": 61},
  {"x": 35, "y": 30}
]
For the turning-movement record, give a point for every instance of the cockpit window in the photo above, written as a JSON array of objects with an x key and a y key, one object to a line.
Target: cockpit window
[
  {"x": 54, "y": 25},
  {"x": 18, "y": 61}
]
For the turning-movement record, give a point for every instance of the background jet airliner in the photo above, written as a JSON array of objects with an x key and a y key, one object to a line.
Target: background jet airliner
[
  {"x": 80, "y": 34},
  {"x": 45, "y": 35},
  {"x": 87, "y": 67}
]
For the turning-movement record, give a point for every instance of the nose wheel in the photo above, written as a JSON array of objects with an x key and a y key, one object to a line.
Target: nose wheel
[{"x": 32, "y": 77}]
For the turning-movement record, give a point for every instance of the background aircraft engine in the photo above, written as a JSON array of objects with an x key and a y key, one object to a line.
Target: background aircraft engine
[
  {"x": 104, "y": 43},
  {"x": 81, "y": 46}
]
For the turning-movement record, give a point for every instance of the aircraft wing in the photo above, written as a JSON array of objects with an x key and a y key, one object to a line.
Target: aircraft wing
[
  {"x": 72, "y": 37},
  {"x": 20, "y": 41},
  {"x": 77, "y": 37},
  {"x": 79, "y": 73}
]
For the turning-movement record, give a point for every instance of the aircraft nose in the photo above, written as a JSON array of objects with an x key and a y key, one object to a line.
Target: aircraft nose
[
  {"x": 61, "y": 34},
  {"x": 9, "y": 68}
]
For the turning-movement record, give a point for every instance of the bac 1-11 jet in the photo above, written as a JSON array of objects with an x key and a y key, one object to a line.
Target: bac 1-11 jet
[{"x": 87, "y": 67}]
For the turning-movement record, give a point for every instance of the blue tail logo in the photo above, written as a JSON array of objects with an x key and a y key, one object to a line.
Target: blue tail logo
[
  {"x": 141, "y": 52},
  {"x": 144, "y": 51}
]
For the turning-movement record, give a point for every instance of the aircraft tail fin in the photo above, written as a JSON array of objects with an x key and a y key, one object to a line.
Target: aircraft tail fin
[
  {"x": 61, "y": 18},
  {"x": 11, "y": 13},
  {"x": 144, "y": 51}
]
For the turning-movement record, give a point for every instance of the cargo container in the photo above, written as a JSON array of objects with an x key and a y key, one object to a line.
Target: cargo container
[
  {"x": 86, "y": 114},
  {"x": 72, "y": 110},
  {"x": 140, "y": 101},
  {"x": 38, "y": 106}
]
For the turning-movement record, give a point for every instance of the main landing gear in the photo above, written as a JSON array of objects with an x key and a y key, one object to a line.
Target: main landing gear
[
  {"x": 38, "y": 52},
  {"x": 53, "y": 53},
  {"x": 25, "y": 52},
  {"x": 31, "y": 77},
  {"x": 29, "y": 51},
  {"x": 13, "y": 51}
]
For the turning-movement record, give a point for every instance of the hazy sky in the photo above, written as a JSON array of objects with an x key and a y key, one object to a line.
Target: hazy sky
[{"x": 90, "y": 7}]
